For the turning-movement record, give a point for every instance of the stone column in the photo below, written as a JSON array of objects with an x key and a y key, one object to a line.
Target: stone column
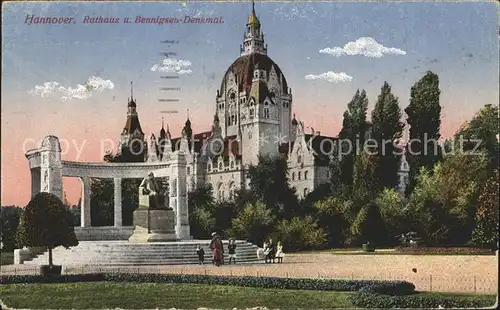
[
  {"x": 85, "y": 203},
  {"x": 178, "y": 199},
  {"x": 118, "y": 202}
]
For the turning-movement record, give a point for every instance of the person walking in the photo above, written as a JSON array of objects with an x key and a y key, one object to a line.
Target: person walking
[
  {"x": 217, "y": 249},
  {"x": 232, "y": 250}
]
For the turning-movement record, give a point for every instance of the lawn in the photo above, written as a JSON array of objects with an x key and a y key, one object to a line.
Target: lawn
[
  {"x": 98, "y": 295},
  {"x": 94, "y": 295}
]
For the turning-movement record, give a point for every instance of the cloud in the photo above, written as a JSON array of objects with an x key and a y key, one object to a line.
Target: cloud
[
  {"x": 81, "y": 92},
  {"x": 330, "y": 76},
  {"x": 363, "y": 46},
  {"x": 172, "y": 65}
]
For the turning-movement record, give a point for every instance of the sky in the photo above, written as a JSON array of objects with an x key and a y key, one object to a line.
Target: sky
[{"x": 73, "y": 80}]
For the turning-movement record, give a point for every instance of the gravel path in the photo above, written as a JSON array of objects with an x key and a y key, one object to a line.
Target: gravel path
[{"x": 440, "y": 273}]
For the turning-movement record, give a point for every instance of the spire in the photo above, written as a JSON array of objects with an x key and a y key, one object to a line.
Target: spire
[
  {"x": 131, "y": 102},
  {"x": 253, "y": 41},
  {"x": 252, "y": 19},
  {"x": 162, "y": 131}
]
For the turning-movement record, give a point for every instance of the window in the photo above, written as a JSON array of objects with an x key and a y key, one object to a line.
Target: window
[
  {"x": 209, "y": 166},
  {"x": 220, "y": 166},
  {"x": 299, "y": 159},
  {"x": 306, "y": 191},
  {"x": 188, "y": 170},
  {"x": 305, "y": 175},
  {"x": 293, "y": 176},
  {"x": 251, "y": 112},
  {"x": 300, "y": 175},
  {"x": 232, "y": 164}
]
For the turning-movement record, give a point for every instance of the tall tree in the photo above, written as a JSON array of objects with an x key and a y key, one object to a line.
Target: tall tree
[
  {"x": 364, "y": 183},
  {"x": 387, "y": 129},
  {"x": 424, "y": 118},
  {"x": 481, "y": 133},
  {"x": 354, "y": 128},
  {"x": 269, "y": 184}
]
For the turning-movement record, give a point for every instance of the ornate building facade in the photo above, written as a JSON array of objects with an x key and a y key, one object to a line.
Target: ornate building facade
[{"x": 253, "y": 117}]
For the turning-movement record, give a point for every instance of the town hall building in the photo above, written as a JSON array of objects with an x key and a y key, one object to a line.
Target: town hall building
[{"x": 253, "y": 117}]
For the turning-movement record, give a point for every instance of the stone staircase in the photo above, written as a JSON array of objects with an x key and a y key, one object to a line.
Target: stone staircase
[{"x": 127, "y": 253}]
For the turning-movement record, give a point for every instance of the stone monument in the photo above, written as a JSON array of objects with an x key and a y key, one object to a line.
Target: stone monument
[{"x": 154, "y": 220}]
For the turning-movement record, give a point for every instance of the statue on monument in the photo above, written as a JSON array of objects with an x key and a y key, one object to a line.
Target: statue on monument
[{"x": 157, "y": 199}]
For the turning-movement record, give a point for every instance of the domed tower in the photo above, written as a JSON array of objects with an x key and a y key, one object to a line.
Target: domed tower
[{"x": 254, "y": 102}]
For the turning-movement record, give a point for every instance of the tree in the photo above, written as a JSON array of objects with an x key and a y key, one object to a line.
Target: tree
[
  {"x": 485, "y": 233},
  {"x": 269, "y": 184},
  {"x": 9, "y": 221},
  {"x": 424, "y": 118},
  {"x": 333, "y": 214},
  {"x": 444, "y": 201},
  {"x": 392, "y": 206},
  {"x": 482, "y": 129},
  {"x": 300, "y": 234},
  {"x": 46, "y": 222},
  {"x": 364, "y": 184},
  {"x": 254, "y": 223},
  {"x": 387, "y": 129},
  {"x": 354, "y": 129},
  {"x": 369, "y": 226}
]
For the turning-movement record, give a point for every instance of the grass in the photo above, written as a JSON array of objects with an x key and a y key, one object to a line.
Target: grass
[
  {"x": 98, "y": 295},
  {"x": 6, "y": 258}
]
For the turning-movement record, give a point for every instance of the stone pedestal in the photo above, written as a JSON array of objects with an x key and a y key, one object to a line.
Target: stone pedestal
[{"x": 161, "y": 226}]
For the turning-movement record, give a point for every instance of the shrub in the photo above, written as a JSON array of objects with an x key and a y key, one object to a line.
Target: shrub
[
  {"x": 392, "y": 205},
  {"x": 374, "y": 298},
  {"x": 369, "y": 226},
  {"x": 333, "y": 215},
  {"x": 300, "y": 234},
  {"x": 9, "y": 221},
  {"x": 389, "y": 287},
  {"x": 253, "y": 223},
  {"x": 46, "y": 222}
]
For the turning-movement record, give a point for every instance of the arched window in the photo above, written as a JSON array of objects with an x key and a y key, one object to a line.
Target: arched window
[
  {"x": 266, "y": 112},
  {"x": 300, "y": 175},
  {"x": 306, "y": 191},
  {"x": 188, "y": 170},
  {"x": 251, "y": 112},
  {"x": 305, "y": 175},
  {"x": 209, "y": 166},
  {"x": 220, "y": 166},
  {"x": 293, "y": 176}
]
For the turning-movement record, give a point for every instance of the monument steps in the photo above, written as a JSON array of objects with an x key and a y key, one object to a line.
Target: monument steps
[{"x": 127, "y": 253}]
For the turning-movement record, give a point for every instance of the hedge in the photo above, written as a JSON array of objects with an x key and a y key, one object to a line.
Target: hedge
[
  {"x": 386, "y": 287},
  {"x": 367, "y": 298}
]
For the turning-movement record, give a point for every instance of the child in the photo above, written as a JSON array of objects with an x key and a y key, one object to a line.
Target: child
[
  {"x": 279, "y": 252},
  {"x": 232, "y": 250},
  {"x": 201, "y": 255}
]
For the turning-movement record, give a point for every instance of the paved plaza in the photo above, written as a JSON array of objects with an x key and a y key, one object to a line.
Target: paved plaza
[{"x": 440, "y": 273}]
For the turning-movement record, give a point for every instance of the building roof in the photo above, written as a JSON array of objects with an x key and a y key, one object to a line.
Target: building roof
[
  {"x": 132, "y": 124},
  {"x": 322, "y": 146},
  {"x": 244, "y": 66}
]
